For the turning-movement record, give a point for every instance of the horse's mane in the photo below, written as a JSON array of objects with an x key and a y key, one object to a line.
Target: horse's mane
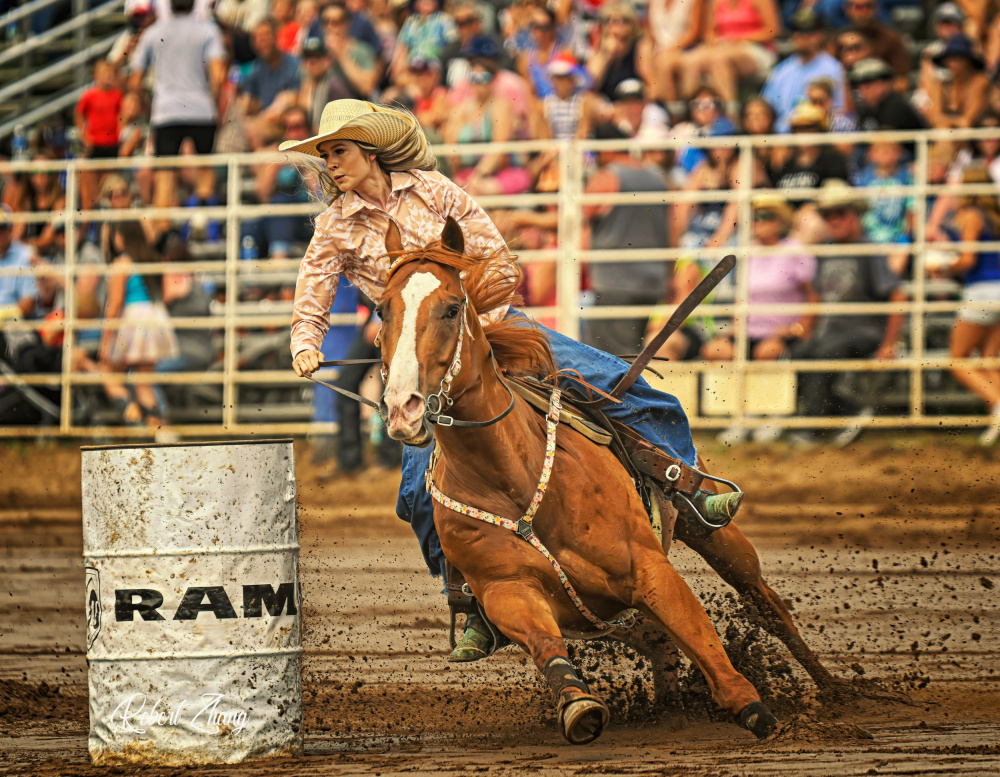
[{"x": 521, "y": 348}]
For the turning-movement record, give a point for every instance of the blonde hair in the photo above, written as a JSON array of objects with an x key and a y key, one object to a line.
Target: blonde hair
[
  {"x": 410, "y": 151},
  {"x": 977, "y": 173}
]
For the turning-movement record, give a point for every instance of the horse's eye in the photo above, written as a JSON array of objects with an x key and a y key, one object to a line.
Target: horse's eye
[
  {"x": 380, "y": 312},
  {"x": 452, "y": 313}
]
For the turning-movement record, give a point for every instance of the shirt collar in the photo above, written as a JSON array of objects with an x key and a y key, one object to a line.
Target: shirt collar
[{"x": 397, "y": 181}]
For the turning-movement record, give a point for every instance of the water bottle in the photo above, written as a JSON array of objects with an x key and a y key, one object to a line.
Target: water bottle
[
  {"x": 19, "y": 145},
  {"x": 249, "y": 249}
]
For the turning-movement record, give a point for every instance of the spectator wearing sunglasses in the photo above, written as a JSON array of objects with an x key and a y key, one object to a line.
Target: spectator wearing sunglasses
[
  {"x": 850, "y": 47},
  {"x": 469, "y": 22},
  {"x": 621, "y": 52},
  {"x": 704, "y": 109},
  {"x": 545, "y": 47},
  {"x": 879, "y": 105},
  {"x": 820, "y": 93},
  {"x": 885, "y": 42},
  {"x": 360, "y": 26},
  {"x": 786, "y": 85}
]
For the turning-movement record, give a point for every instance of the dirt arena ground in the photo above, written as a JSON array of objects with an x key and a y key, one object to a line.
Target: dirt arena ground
[{"x": 888, "y": 553}]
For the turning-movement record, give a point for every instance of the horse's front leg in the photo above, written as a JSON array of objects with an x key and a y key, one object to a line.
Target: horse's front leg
[
  {"x": 731, "y": 554},
  {"x": 650, "y": 640},
  {"x": 523, "y": 613}
]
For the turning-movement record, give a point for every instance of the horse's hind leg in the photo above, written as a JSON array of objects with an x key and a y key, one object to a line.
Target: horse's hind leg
[
  {"x": 730, "y": 553},
  {"x": 661, "y": 592},
  {"x": 524, "y": 614}
]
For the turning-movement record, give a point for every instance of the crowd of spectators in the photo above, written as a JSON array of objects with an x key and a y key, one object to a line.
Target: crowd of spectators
[{"x": 193, "y": 76}]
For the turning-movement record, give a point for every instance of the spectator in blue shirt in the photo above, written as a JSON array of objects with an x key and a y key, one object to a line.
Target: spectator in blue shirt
[
  {"x": 889, "y": 218},
  {"x": 270, "y": 87},
  {"x": 786, "y": 85},
  {"x": 16, "y": 291}
]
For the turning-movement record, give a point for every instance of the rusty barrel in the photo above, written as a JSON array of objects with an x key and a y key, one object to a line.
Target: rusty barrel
[{"x": 194, "y": 640}]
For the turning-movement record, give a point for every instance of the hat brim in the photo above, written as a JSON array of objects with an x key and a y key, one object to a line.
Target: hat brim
[
  {"x": 857, "y": 205},
  {"x": 356, "y": 130},
  {"x": 977, "y": 62}
]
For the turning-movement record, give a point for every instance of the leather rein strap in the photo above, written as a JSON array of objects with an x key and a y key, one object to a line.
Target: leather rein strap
[{"x": 678, "y": 317}]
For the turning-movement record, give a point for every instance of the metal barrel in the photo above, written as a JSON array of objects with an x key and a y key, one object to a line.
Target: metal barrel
[{"x": 194, "y": 638}]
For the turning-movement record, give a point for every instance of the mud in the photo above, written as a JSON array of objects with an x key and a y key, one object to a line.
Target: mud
[{"x": 887, "y": 553}]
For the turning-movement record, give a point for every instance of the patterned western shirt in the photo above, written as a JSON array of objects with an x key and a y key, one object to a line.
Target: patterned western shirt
[{"x": 349, "y": 239}]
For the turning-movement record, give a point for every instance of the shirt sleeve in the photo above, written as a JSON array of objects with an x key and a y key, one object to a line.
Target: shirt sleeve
[
  {"x": 315, "y": 291},
  {"x": 215, "y": 49},
  {"x": 142, "y": 57}
]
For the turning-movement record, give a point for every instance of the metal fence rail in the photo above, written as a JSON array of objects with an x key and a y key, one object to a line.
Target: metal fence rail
[{"x": 234, "y": 321}]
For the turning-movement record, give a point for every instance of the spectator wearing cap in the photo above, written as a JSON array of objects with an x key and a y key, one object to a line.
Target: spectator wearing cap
[
  {"x": 879, "y": 105},
  {"x": 139, "y": 15},
  {"x": 809, "y": 166},
  {"x": 886, "y": 43},
  {"x": 637, "y": 117},
  {"x": 315, "y": 79},
  {"x": 738, "y": 42},
  {"x": 948, "y": 20},
  {"x": 485, "y": 118},
  {"x": 269, "y": 88},
  {"x": 188, "y": 58},
  {"x": 783, "y": 275},
  {"x": 675, "y": 27},
  {"x": 955, "y": 102},
  {"x": 786, "y": 85},
  {"x": 469, "y": 22},
  {"x": 621, "y": 52},
  {"x": 425, "y": 35},
  {"x": 615, "y": 226},
  {"x": 564, "y": 114},
  {"x": 846, "y": 278}
]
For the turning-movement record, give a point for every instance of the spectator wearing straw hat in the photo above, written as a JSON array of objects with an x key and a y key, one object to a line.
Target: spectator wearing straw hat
[
  {"x": 843, "y": 278},
  {"x": 786, "y": 85}
]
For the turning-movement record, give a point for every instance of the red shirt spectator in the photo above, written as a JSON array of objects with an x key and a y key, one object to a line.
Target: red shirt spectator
[{"x": 99, "y": 109}]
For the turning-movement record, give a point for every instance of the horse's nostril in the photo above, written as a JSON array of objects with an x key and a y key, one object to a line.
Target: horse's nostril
[{"x": 413, "y": 404}]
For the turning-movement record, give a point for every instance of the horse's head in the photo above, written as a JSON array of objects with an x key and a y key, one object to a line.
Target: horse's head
[{"x": 423, "y": 309}]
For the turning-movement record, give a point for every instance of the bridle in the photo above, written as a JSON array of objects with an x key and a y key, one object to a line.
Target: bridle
[{"x": 441, "y": 400}]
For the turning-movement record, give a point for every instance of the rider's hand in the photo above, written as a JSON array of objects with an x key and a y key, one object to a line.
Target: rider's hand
[{"x": 307, "y": 362}]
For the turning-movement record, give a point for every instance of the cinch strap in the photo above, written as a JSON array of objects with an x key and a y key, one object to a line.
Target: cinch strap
[{"x": 523, "y": 528}]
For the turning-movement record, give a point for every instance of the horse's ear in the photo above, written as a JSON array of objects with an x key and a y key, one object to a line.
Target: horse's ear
[
  {"x": 393, "y": 240},
  {"x": 451, "y": 236}
]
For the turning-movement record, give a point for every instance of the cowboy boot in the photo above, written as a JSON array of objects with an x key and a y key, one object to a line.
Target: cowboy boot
[
  {"x": 481, "y": 639},
  {"x": 706, "y": 512}
]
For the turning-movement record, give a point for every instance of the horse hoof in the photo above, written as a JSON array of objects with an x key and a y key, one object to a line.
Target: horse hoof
[
  {"x": 582, "y": 718},
  {"x": 757, "y": 719}
]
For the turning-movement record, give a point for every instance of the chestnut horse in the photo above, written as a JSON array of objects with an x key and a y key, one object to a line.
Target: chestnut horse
[{"x": 591, "y": 518}]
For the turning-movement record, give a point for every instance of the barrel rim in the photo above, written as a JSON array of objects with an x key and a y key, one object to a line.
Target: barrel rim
[{"x": 133, "y": 446}]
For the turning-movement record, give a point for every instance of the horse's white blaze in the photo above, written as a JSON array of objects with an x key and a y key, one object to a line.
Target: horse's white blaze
[{"x": 404, "y": 370}]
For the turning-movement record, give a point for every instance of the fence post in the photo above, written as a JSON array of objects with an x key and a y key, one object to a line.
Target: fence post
[
  {"x": 744, "y": 234},
  {"x": 69, "y": 300},
  {"x": 230, "y": 359},
  {"x": 917, "y": 329},
  {"x": 568, "y": 271}
]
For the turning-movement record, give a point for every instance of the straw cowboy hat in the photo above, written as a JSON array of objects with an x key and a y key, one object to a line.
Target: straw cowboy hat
[
  {"x": 777, "y": 205},
  {"x": 838, "y": 195},
  {"x": 357, "y": 120}
]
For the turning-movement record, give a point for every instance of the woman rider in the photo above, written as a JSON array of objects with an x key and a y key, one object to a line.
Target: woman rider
[{"x": 378, "y": 167}]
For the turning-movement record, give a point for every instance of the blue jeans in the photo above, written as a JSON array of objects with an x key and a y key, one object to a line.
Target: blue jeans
[{"x": 657, "y": 416}]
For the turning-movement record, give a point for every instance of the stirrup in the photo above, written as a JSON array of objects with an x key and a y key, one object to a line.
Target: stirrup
[
  {"x": 705, "y": 512},
  {"x": 474, "y": 644}
]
